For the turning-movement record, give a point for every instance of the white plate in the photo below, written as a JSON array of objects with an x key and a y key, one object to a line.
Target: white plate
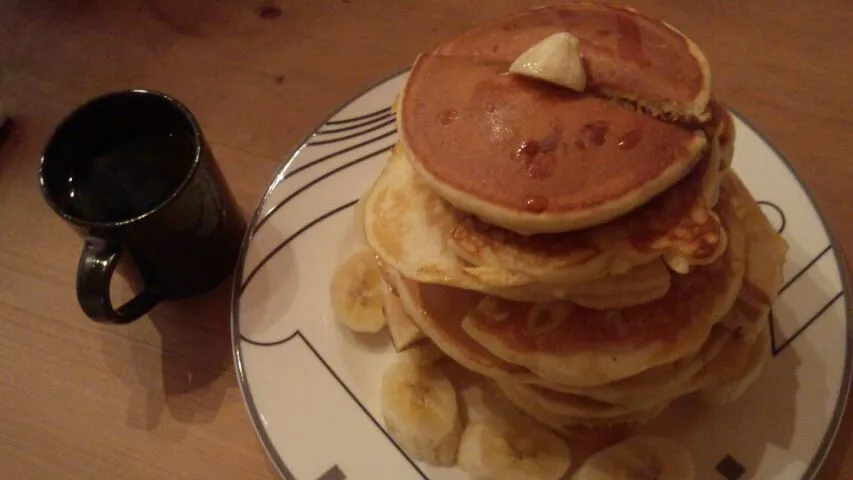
[{"x": 312, "y": 387}]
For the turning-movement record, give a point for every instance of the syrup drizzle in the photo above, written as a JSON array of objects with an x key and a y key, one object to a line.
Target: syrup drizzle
[
  {"x": 538, "y": 155},
  {"x": 630, "y": 140},
  {"x": 535, "y": 203},
  {"x": 446, "y": 117},
  {"x": 594, "y": 133}
]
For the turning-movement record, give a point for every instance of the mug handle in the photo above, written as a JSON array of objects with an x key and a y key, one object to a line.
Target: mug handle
[{"x": 97, "y": 263}]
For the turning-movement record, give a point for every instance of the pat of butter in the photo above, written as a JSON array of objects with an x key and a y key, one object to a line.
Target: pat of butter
[{"x": 554, "y": 60}]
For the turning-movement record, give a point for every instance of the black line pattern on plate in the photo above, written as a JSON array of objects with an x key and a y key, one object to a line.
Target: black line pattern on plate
[
  {"x": 730, "y": 468},
  {"x": 360, "y": 117},
  {"x": 772, "y": 319},
  {"x": 339, "y": 153},
  {"x": 820, "y": 312},
  {"x": 778, "y": 350},
  {"x": 289, "y": 239},
  {"x": 384, "y": 124},
  {"x": 804, "y": 269},
  {"x": 326, "y": 175},
  {"x": 348, "y": 128},
  {"x": 779, "y": 211},
  {"x": 298, "y": 334},
  {"x": 268, "y": 344},
  {"x": 334, "y": 473}
]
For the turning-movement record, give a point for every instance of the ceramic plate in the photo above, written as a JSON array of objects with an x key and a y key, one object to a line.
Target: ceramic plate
[{"x": 312, "y": 387}]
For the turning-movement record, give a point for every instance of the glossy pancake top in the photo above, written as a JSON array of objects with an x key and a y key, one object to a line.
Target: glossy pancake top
[
  {"x": 532, "y": 157},
  {"x": 626, "y": 54}
]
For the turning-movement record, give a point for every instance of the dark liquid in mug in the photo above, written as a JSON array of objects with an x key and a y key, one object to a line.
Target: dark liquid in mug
[{"x": 130, "y": 177}]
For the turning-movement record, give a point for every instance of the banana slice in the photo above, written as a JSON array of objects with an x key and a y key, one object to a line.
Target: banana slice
[
  {"x": 728, "y": 392},
  {"x": 555, "y": 60},
  {"x": 639, "y": 458},
  {"x": 420, "y": 411},
  {"x": 495, "y": 450},
  {"x": 356, "y": 292},
  {"x": 404, "y": 332}
]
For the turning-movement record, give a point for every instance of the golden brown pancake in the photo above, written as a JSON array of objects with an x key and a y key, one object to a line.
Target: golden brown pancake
[
  {"x": 626, "y": 54},
  {"x": 677, "y": 225},
  {"x": 721, "y": 129},
  {"x": 727, "y": 362},
  {"x": 568, "y": 422},
  {"x": 639, "y": 285},
  {"x": 568, "y": 404},
  {"x": 731, "y": 362},
  {"x": 658, "y": 385},
  {"x": 766, "y": 251},
  {"x": 532, "y": 157},
  {"x": 429, "y": 241},
  {"x": 438, "y": 311},
  {"x": 722, "y": 355},
  {"x": 722, "y": 359},
  {"x": 725, "y": 389},
  {"x": 571, "y": 345}
]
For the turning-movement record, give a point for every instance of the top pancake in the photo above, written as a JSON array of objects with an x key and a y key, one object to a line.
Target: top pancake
[
  {"x": 626, "y": 54},
  {"x": 532, "y": 157}
]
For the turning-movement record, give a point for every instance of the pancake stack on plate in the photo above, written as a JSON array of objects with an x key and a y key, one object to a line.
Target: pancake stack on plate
[{"x": 591, "y": 252}]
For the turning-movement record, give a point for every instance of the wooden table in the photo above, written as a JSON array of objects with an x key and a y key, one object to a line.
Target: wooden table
[{"x": 158, "y": 398}]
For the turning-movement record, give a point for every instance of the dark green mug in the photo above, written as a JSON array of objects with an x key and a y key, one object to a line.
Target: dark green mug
[{"x": 133, "y": 173}]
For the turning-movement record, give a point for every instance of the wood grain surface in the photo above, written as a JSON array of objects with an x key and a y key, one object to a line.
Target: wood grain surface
[{"x": 158, "y": 398}]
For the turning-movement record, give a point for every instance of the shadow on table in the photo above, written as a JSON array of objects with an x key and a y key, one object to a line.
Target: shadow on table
[
  {"x": 196, "y": 345},
  {"x": 5, "y": 137},
  {"x": 187, "y": 377}
]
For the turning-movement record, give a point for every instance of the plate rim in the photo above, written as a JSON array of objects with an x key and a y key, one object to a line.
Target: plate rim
[{"x": 280, "y": 174}]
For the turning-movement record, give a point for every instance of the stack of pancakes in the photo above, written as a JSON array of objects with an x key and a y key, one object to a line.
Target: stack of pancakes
[{"x": 591, "y": 252}]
